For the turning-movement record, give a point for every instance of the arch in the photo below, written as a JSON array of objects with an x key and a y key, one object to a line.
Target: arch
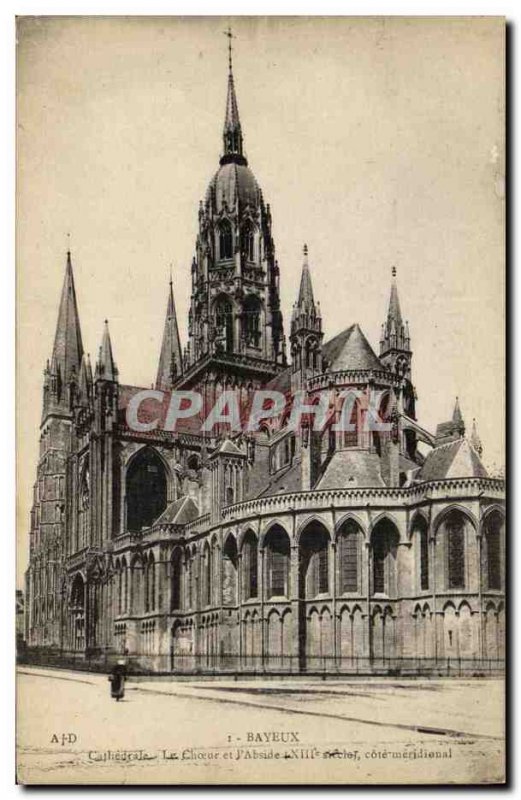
[
  {"x": 223, "y": 318},
  {"x": 251, "y": 320},
  {"x": 385, "y": 538},
  {"x": 419, "y": 536},
  {"x": 493, "y": 532},
  {"x": 150, "y": 583},
  {"x": 313, "y": 540},
  {"x": 176, "y": 579},
  {"x": 77, "y": 609},
  {"x": 384, "y": 515},
  {"x": 193, "y": 462},
  {"x": 136, "y": 584},
  {"x": 146, "y": 488},
  {"x": 439, "y": 518},
  {"x": 230, "y": 567},
  {"x": 248, "y": 241},
  {"x": 349, "y": 515},
  {"x": 277, "y": 544},
  {"x": 313, "y": 519},
  {"x": 418, "y": 518},
  {"x": 250, "y": 559},
  {"x": 349, "y": 537},
  {"x": 225, "y": 240},
  {"x": 454, "y": 541}
]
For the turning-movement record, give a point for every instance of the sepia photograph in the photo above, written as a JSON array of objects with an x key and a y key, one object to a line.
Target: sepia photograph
[{"x": 260, "y": 400}]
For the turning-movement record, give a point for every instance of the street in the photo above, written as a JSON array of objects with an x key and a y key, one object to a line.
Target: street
[{"x": 283, "y": 731}]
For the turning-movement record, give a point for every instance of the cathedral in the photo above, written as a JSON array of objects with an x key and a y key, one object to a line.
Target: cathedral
[{"x": 285, "y": 550}]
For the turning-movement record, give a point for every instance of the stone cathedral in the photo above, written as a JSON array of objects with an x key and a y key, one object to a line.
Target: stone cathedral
[{"x": 286, "y": 550}]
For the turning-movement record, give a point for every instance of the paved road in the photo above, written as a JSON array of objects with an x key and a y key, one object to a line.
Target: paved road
[{"x": 286, "y": 731}]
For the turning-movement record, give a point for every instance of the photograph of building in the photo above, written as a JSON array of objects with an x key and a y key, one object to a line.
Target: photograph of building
[{"x": 280, "y": 550}]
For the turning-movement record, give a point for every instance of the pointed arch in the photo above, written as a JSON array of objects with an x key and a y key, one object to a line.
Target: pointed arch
[
  {"x": 314, "y": 542},
  {"x": 146, "y": 485},
  {"x": 225, "y": 240},
  {"x": 385, "y": 538},
  {"x": 277, "y": 544},
  {"x": 250, "y": 558},
  {"x": 350, "y": 538}
]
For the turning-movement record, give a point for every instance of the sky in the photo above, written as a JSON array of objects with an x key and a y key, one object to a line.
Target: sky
[{"x": 379, "y": 142}]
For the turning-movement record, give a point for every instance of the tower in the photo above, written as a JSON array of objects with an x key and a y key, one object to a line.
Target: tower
[
  {"x": 235, "y": 323},
  {"x": 48, "y": 513},
  {"x": 306, "y": 331}
]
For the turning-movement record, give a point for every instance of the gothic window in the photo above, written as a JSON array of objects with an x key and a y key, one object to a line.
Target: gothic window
[
  {"x": 277, "y": 543},
  {"x": 250, "y": 566},
  {"x": 251, "y": 321},
  {"x": 224, "y": 323},
  {"x": 150, "y": 584},
  {"x": 455, "y": 531},
  {"x": 177, "y": 568},
  {"x": 492, "y": 548},
  {"x": 424, "y": 559},
  {"x": 229, "y": 496},
  {"x": 207, "y": 576},
  {"x": 225, "y": 240},
  {"x": 349, "y": 541},
  {"x": 248, "y": 242},
  {"x": 385, "y": 542},
  {"x": 314, "y": 561},
  {"x": 146, "y": 490},
  {"x": 351, "y": 436}
]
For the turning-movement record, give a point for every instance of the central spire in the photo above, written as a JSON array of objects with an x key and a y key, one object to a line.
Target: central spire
[{"x": 232, "y": 134}]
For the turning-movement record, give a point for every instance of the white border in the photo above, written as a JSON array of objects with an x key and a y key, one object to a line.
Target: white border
[{"x": 8, "y": 10}]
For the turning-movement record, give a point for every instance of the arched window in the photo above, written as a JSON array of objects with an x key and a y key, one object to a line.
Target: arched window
[
  {"x": 224, "y": 323},
  {"x": 176, "y": 578},
  {"x": 248, "y": 242},
  {"x": 277, "y": 544},
  {"x": 492, "y": 550},
  {"x": 150, "y": 585},
  {"x": 349, "y": 541},
  {"x": 250, "y": 566},
  {"x": 350, "y": 437},
  {"x": 146, "y": 490},
  {"x": 314, "y": 561},
  {"x": 384, "y": 540},
  {"x": 124, "y": 585},
  {"x": 229, "y": 496},
  {"x": 421, "y": 540},
  {"x": 225, "y": 240},
  {"x": 455, "y": 533},
  {"x": 207, "y": 576},
  {"x": 251, "y": 321},
  {"x": 230, "y": 572}
]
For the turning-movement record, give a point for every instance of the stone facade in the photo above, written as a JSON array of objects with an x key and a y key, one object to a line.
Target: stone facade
[{"x": 301, "y": 551}]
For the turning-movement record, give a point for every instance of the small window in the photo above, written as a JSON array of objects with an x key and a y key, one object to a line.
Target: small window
[{"x": 225, "y": 241}]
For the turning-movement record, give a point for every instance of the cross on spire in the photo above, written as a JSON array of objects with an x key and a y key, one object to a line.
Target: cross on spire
[
  {"x": 230, "y": 36},
  {"x": 232, "y": 134}
]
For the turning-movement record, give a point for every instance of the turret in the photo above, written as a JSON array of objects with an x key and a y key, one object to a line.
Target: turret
[
  {"x": 106, "y": 384},
  {"x": 170, "y": 366},
  {"x": 395, "y": 342},
  {"x": 306, "y": 330}
]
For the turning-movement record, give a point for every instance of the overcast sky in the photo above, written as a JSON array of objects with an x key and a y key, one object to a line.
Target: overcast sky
[{"x": 378, "y": 142}]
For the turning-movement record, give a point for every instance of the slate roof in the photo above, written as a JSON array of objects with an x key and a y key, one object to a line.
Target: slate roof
[
  {"x": 288, "y": 480},
  {"x": 452, "y": 460},
  {"x": 351, "y": 468},
  {"x": 179, "y": 512},
  {"x": 350, "y": 350}
]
